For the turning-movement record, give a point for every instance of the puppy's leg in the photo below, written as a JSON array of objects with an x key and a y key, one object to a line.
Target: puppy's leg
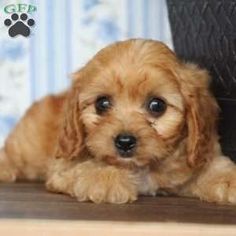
[
  {"x": 93, "y": 181},
  {"x": 216, "y": 183},
  {"x": 8, "y": 172}
]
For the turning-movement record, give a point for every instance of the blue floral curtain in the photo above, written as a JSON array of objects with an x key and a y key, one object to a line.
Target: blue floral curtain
[{"x": 66, "y": 34}]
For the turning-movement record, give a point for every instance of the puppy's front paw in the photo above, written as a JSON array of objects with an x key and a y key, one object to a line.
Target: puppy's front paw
[
  {"x": 121, "y": 193},
  {"x": 222, "y": 189},
  {"x": 104, "y": 184},
  {"x": 225, "y": 190}
]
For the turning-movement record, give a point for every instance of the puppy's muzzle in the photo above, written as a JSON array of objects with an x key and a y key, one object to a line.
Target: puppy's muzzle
[{"x": 125, "y": 144}]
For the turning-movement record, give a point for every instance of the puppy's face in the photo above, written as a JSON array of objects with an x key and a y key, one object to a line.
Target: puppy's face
[
  {"x": 134, "y": 104},
  {"x": 132, "y": 110}
]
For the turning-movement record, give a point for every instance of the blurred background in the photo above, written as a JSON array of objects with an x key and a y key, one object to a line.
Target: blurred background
[{"x": 66, "y": 35}]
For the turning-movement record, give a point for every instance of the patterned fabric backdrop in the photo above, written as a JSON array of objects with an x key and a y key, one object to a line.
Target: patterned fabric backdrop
[{"x": 66, "y": 34}]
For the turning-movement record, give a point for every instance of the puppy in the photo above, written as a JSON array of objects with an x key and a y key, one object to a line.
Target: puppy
[{"x": 136, "y": 120}]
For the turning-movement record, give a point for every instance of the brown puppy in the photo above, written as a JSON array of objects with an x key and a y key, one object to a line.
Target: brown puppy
[{"x": 135, "y": 121}]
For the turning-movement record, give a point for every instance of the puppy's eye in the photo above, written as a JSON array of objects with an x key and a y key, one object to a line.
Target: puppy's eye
[
  {"x": 102, "y": 104},
  {"x": 156, "y": 106}
]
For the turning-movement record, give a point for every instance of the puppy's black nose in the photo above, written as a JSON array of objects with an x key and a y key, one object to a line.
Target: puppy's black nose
[{"x": 125, "y": 144}]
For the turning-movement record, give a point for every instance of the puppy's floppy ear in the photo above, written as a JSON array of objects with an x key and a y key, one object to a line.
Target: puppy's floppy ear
[
  {"x": 201, "y": 114},
  {"x": 71, "y": 136}
]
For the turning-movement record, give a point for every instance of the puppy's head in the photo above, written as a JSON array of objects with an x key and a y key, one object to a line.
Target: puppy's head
[{"x": 134, "y": 103}]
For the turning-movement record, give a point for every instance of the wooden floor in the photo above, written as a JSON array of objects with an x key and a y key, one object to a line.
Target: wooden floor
[{"x": 32, "y": 201}]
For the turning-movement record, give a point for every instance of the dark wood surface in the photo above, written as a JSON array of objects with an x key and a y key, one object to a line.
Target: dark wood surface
[{"x": 31, "y": 200}]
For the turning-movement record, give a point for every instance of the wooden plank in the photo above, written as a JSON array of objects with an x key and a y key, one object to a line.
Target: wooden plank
[
  {"x": 104, "y": 228},
  {"x": 32, "y": 201}
]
